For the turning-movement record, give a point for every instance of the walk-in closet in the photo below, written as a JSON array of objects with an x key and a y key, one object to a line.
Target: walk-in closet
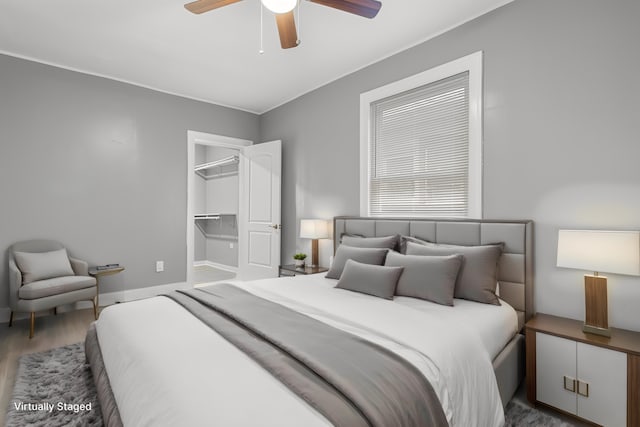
[{"x": 215, "y": 213}]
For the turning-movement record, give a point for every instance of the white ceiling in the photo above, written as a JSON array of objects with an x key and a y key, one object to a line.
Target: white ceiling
[{"x": 214, "y": 57}]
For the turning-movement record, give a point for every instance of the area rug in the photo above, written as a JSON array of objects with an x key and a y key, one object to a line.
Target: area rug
[
  {"x": 519, "y": 414},
  {"x": 54, "y": 388},
  {"x": 62, "y": 379}
]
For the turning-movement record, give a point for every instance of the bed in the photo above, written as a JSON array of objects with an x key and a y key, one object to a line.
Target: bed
[{"x": 154, "y": 363}]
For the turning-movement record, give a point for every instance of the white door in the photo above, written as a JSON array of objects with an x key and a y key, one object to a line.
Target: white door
[{"x": 259, "y": 224}]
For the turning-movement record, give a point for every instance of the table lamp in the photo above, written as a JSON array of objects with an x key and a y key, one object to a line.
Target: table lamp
[
  {"x": 314, "y": 229},
  {"x": 599, "y": 251}
]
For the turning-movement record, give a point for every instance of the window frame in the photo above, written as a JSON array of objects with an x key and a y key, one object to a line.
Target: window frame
[{"x": 473, "y": 65}]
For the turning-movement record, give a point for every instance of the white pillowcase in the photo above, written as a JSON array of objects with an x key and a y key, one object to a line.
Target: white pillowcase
[{"x": 43, "y": 265}]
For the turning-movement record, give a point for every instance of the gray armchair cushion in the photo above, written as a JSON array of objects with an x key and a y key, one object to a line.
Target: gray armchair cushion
[
  {"x": 364, "y": 255},
  {"x": 376, "y": 280},
  {"x": 478, "y": 276},
  {"x": 43, "y": 265},
  {"x": 432, "y": 278},
  {"x": 55, "y": 286}
]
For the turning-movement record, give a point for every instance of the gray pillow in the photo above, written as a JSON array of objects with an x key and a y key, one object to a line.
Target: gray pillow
[
  {"x": 388, "y": 242},
  {"x": 375, "y": 280},
  {"x": 402, "y": 246},
  {"x": 374, "y": 256},
  {"x": 350, "y": 234},
  {"x": 43, "y": 265},
  {"x": 477, "y": 278},
  {"x": 432, "y": 278}
]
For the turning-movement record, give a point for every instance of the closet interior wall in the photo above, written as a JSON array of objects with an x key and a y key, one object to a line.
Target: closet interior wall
[{"x": 216, "y": 238}]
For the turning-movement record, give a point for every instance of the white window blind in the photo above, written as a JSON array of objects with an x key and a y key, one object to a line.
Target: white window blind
[{"x": 419, "y": 151}]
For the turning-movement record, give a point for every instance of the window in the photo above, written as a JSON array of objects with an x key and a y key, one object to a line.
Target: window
[{"x": 421, "y": 144}]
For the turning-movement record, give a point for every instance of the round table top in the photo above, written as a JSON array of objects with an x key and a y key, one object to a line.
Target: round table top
[{"x": 105, "y": 272}]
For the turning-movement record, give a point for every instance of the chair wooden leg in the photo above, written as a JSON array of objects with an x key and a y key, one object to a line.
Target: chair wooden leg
[
  {"x": 33, "y": 321},
  {"x": 11, "y": 319},
  {"x": 95, "y": 308}
]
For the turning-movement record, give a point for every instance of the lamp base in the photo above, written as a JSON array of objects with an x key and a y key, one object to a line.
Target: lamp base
[
  {"x": 596, "y": 306},
  {"x": 596, "y": 330},
  {"x": 314, "y": 252}
]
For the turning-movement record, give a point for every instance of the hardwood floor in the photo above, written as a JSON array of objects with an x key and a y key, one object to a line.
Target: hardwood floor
[{"x": 50, "y": 332}]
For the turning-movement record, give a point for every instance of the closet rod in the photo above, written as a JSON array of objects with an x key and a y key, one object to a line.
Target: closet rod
[
  {"x": 207, "y": 216},
  {"x": 222, "y": 162}
]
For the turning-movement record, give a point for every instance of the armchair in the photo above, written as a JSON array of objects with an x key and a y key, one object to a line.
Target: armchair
[{"x": 42, "y": 276}]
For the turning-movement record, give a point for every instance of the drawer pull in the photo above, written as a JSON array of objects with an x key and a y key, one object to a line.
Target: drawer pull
[
  {"x": 580, "y": 384},
  {"x": 571, "y": 381}
]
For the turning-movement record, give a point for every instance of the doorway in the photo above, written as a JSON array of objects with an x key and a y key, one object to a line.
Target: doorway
[
  {"x": 212, "y": 207},
  {"x": 233, "y": 208}
]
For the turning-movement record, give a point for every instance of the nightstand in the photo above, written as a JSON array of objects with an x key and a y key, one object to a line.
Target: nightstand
[
  {"x": 292, "y": 270},
  {"x": 587, "y": 376}
]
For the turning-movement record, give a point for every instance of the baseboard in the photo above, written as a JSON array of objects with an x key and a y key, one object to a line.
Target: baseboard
[
  {"x": 5, "y": 312},
  {"x": 105, "y": 299},
  {"x": 140, "y": 293},
  {"x": 232, "y": 281},
  {"x": 212, "y": 264}
]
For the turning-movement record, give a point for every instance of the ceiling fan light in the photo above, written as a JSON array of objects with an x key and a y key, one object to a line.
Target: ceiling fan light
[{"x": 280, "y": 6}]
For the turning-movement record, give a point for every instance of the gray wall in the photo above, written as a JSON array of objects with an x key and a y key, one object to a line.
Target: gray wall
[
  {"x": 217, "y": 195},
  {"x": 561, "y": 133},
  {"x": 100, "y": 166},
  {"x": 199, "y": 241}
]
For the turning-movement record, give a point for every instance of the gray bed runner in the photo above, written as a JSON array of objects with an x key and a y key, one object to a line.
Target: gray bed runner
[{"x": 351, "y": 382}]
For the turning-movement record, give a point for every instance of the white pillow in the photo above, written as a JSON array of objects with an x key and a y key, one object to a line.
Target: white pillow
[{"x": 43, "y": 265}]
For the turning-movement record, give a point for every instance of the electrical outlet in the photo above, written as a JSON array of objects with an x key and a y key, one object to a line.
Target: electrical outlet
[
  {"x": 231, "y": 245},
  {"x": 159, "y": 266}
]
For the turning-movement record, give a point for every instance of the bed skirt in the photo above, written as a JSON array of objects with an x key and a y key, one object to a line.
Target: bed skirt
[
  {"x": 509, "y": 367},
  {"x": 108, "y": 406}
]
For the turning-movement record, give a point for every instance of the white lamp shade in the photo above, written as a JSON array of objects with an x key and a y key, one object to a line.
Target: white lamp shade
[
  {"x": 600, "y": 251},
  {"x": 280, "y": 6},
  {"x": 314, "y": 229}
]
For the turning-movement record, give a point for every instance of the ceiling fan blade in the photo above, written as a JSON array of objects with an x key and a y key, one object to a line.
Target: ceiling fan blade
[
  {"x": 202, "y": 6},
  {"x": 365, "y": 8},
  {"x": 287, "y": 30}
]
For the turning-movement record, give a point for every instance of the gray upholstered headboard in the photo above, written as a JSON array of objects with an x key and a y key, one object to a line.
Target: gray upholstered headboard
[{"x": 515, "y": 272}]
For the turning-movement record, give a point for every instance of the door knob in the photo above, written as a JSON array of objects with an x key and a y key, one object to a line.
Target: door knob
[{"x": 276, "y": 226}]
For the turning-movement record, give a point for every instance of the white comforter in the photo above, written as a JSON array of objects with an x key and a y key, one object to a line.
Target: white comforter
[{"x": 167, "y": 368}]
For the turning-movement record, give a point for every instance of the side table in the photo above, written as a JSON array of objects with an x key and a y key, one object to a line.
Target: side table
[
  {"x": 590, "y": 377},
  {"x": 101, "y": 273},
  {"x": 292, "y": 270}
]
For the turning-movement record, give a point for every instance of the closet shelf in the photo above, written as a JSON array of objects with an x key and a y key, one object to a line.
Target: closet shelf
[
  {"x": 205, "y": 170},
  {"x": 221, "y": 236},
  {"x": 212, "y": 215}
]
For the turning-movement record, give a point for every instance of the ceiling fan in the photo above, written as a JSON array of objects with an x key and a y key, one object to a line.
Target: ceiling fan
[{"x": 283, "y": 10}]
